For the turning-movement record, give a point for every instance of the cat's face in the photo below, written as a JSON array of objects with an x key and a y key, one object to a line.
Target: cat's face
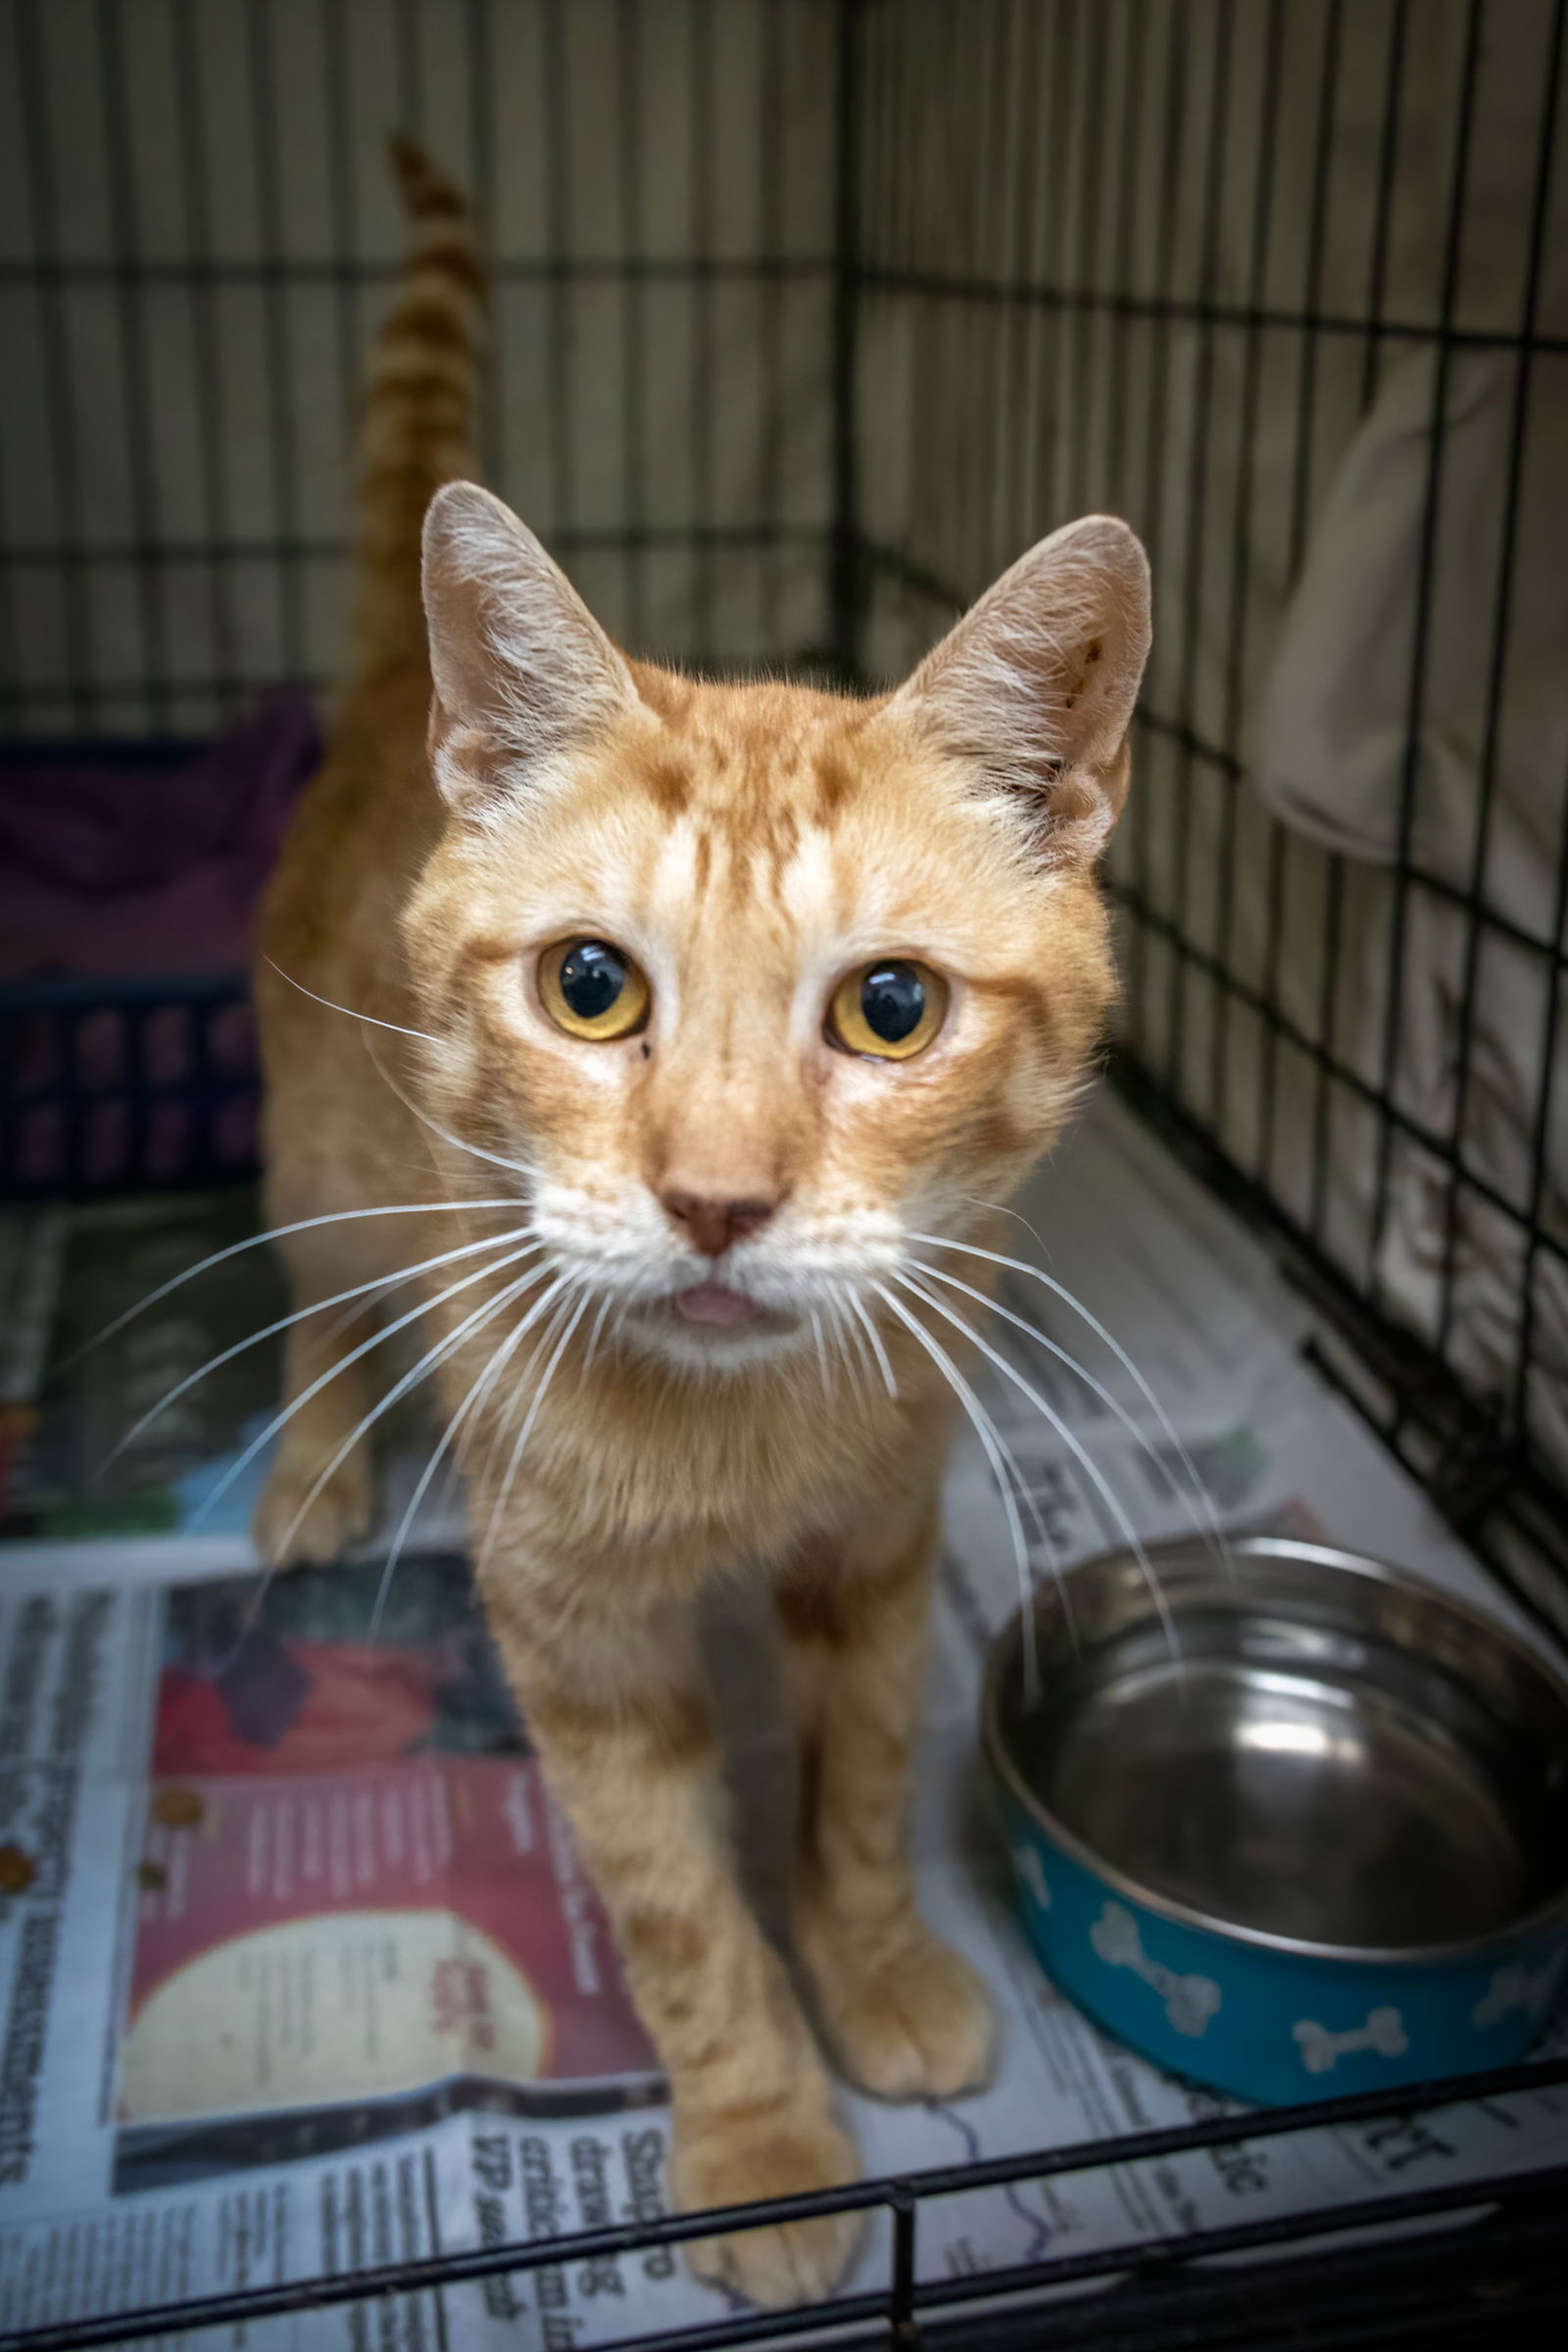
[{"x": 758, "y": 984}]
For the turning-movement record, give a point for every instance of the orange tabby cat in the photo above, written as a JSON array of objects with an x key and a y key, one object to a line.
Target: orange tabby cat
[{"x": 695, "y": 1007}]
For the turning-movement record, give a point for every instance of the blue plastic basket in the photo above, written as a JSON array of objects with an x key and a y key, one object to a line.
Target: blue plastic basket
[
  {"x": 126, "y": 1086},
  {"x": 119, "y": 1085}
]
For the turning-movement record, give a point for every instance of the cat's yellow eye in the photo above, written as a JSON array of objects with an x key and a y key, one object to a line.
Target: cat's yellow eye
[
  {"x": 593, "y": 990},
  {"x": 888, "y": 1009}
]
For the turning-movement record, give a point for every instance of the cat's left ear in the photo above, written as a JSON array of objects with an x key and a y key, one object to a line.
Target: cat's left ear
[{"x": 1035, "y": 686}]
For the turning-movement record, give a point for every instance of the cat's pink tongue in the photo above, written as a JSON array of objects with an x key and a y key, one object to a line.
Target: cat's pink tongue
[{"x": 710, "y": 1303}]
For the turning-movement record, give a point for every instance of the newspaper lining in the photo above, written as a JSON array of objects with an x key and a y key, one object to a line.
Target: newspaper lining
[{"x": 299, "y": 1972}]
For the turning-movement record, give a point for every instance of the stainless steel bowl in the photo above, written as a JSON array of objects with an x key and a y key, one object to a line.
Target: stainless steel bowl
[{"x": 1320, "y": 1842}]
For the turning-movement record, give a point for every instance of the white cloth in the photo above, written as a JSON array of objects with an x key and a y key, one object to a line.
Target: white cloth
[{"x": 1330, "y": 761}]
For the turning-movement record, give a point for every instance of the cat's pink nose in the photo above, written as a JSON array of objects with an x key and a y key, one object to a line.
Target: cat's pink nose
[{"x": 712, "y": 1225}]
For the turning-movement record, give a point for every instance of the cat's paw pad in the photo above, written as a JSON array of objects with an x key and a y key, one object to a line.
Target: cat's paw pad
[
  {"x": 737, "y": 2162},
  {"x": 294, "y": 1528},
  {"x": 914, "y": 2023}
]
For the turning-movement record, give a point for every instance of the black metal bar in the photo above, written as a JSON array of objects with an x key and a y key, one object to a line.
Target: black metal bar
[
  {"x": 407, "y": 76},
  {"x": 1383, "y": 1183},
  {"x": 704, "y": 130},
  {"x": 278, "y": 329},
  {"x": 1096, "y": 108},
  {"x": 1190, "y": 610},
  {"x": 762, "y": 532},
  {"x": 458, "y": 2267},
  {"x": 936, "y": 285},
  {"x": 480, "y": 49},
  {"x": 908, "y": 71},
  {"x": 543, "y": 268},
  {"x": 1063, "y": 72},
  {"x": 1033, "y": 325},
  {"x": 135, "y": 383},
  {"x": 1334, "y": 909},
  {"x": 633, "y": 312},
  {"x": 64, "y": 422},
  {"x": 903, "y": 2329},
  {"x": 561, "y": 353},
  {"x": 1206, "y": 2245},
  {"x": 1479, "y": 912},
  {"x": 771, "y": 166},
  {"x": 1541, "y": 1131},
  {"x": 1240, "y": 607},
  {"x": 1150, "y": 514},
  {"x": 1554, "y": 949},
  {"x": 985, "y": 531},
  {"x": 845, "y": 581},
  {"x": 1312, "y": 1049},
  {"x": 337, "y": 81},
  {"x": 1387, "y": 162},
  {"x": 1425, "y": 1396},
  {"x": 1280, "y": 841},
  {"x": 1130, "y": 147},
  {"x": 210, "y": 422},
  {"x": 198, "y": 692}
]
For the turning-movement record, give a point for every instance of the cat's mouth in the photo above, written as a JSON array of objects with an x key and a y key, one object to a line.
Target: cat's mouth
[
  {"x": 716, "y": 1305},
  {"x": 711, "y": 1314},
  {"x": 713, "y": 1322}
]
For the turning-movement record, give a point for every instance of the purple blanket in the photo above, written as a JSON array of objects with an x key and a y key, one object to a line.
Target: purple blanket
[{"x": 128, "y": 870}]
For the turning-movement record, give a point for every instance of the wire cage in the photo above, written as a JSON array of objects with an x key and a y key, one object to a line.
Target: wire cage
[
  {"x": 808, "y": 316},
  {"x": 1287, "y": 286}
]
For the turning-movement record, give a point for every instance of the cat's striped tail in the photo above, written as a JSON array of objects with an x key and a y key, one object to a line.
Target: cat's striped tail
[{"x": 418, "y": 424}]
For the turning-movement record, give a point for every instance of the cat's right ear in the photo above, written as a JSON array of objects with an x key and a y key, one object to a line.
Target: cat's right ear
[{"x": 522, "y": 670}]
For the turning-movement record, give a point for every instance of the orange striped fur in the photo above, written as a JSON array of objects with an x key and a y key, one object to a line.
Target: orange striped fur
[{"x": 748, "y": 845}]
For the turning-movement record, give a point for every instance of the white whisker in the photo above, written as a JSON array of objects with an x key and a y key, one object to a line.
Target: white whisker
[
  {"x": 499, "y": 1357},
  {"x": 557, "y": 1297},
  {"x": 858, "y": 1310},
  {"x": 985, "y": 1429},
  {"x": 368, "y": 1017},
  {"x": 532, "y": 1415},
  {"x": 426, "y": 1363},
  {"x": 1021, "y": 1323},
  {"x": 242, "y": 1462},
  {"x": 431, "y": 1361},
  {"x": 845, "y": 1330},
  {"x": 593, "y": 1336},
  {"x": 518, "y": 1168},
  {"x": 301, "y": 1314},
  {"x": 433, "y": 1356},
  {"x": 1025, "y": 1489},
  {"x": 357, "y": 1312},
  {"x": 1080, "y": 1453},
  {"x": 1018, "y": 1265},
  {"x": 278, "y": 1233},
  {"x": 1000, "y": 1209}
]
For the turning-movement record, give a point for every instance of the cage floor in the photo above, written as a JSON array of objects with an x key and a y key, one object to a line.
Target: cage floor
[{"x": 271, "y": 2194}]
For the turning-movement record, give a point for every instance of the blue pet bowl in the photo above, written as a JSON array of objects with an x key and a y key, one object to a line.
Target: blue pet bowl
[{"x": 1318, "y": 1846}]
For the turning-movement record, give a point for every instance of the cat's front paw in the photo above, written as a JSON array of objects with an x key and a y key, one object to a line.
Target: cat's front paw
[
  {"x": 294, "y": 1528},
  {"x": 908, "y": 2020},
  {"x": 785, "y": 2154}
]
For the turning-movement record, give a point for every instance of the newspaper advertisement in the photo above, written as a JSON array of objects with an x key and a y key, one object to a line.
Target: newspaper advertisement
[{"x": 300, "y": 1972}]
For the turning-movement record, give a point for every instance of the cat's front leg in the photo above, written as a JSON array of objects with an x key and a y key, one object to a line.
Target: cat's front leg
[
  {"x": 618, "y": 1713},
  {"x": 906, "y": 2017}
]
